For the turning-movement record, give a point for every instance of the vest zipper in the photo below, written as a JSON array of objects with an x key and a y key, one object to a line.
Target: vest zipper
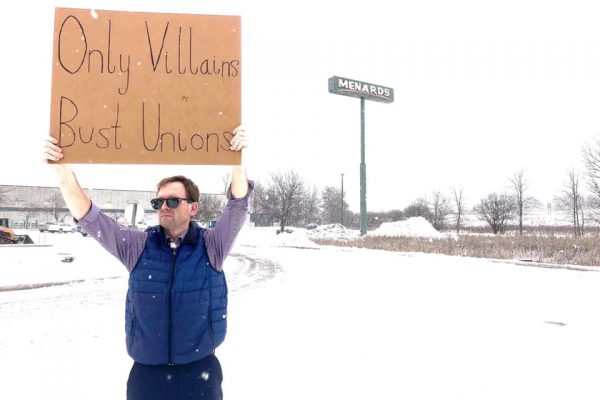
[{"x": 170, "y": 306}]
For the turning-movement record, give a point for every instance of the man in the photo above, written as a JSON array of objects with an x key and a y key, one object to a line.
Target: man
[{"x": 176, "y": 308}]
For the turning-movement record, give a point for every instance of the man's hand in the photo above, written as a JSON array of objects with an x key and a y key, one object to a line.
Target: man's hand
[
  {"x": 239, "y": 140},
  {"x": 51, "y": 151}
]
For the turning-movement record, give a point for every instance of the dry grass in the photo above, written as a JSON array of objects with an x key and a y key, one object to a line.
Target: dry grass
[{"x": 535, "y": 248}]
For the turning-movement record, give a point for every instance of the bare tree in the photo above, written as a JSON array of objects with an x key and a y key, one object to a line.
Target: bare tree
[
  {"x": 310, "y": 212},
  {"x": 581, "y": 215},
  {"x": 459, "y": 207},
  {"x": 440, "y": 209},
  {"x": 286, "y": 193},
  {"x": 263, "y": 211},
  {"x": 591, "y": 158},
  {"x": 392, "y": 215},
  {"x": 496, "y": 209},
  {"x": 28, "y": 213},
  {"x": 259, "y": 201},
  {"x": 418, "y": 208},
  {"x": 210, "y": 208},
  {"x": 522, "y": 201},
  {"x": 376, "y": 218},
  {"x": 331, "y": 205},
  {"x": 56, "y": 203},
  {"x": 571, "y": 200},
  {"x": 4, "y": 194},
  {"x": 225, "y": 178}
]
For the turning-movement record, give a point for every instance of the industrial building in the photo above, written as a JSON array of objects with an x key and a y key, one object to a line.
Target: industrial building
[{"x": 33, "y": 206}]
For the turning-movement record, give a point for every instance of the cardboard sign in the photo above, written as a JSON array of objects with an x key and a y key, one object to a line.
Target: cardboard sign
[{"x": 145, "y": 88}]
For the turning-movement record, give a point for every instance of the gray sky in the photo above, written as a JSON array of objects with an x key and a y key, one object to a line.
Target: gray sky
[{"x": 482, "y": 89}]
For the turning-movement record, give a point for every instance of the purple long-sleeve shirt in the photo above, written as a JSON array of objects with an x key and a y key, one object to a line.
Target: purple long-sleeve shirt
[{"x": 127, "y": 244}]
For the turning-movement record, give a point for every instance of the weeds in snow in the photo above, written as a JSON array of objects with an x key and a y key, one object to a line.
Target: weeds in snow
[{"x": 529, "y": 247}]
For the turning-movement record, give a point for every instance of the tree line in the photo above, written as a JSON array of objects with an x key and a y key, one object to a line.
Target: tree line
[{"x": 288, "y": 200}]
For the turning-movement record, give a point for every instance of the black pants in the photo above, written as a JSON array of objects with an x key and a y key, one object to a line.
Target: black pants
[{"x": 198, "y": 380}]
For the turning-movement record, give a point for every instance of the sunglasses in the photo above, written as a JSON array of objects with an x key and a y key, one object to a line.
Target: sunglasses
[{"x": 172, "y": 202}]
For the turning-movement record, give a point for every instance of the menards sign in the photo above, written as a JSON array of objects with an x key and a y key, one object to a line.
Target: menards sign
[
  {"x": 369, "y": 91},
  {"x": 365, "y": 91}
]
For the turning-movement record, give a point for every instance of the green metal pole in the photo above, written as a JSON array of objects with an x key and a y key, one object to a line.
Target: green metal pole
[
  {"x": 363, "y": 171},
  {"x": 342, "y": 199}
]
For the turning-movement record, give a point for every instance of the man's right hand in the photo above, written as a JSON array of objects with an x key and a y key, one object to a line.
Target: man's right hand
[{"x": 51, "y": 151}]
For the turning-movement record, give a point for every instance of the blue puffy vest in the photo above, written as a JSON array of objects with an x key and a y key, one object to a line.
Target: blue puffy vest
[{"x": 176, "y": 307}]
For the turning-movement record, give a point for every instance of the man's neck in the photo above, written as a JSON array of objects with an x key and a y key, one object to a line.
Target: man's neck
[{"x": 176, "y": 234}]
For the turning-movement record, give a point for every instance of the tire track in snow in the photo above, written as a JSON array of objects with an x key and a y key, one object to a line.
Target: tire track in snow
[
  {"x": 76, "y": 295},
  {"x": 242, "y": 271},
  {"x": 246, "y": 271}
]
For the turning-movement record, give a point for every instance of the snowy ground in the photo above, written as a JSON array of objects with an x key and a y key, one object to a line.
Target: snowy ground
[{"x": 312, "y": 322}]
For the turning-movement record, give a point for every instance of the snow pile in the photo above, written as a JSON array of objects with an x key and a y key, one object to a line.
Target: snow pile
[
  {"x": 267, "y": 236},
  {"x": 297, "y": 238},
  {"x": 412, "y": 227},
  {"x": 333, "y": 231}
]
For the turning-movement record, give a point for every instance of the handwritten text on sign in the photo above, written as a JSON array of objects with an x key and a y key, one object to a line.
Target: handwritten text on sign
[{"x": 145, "y": 88}]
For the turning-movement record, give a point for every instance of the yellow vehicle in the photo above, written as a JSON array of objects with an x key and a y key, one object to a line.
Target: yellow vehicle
[{"x": 7, "y": 235}]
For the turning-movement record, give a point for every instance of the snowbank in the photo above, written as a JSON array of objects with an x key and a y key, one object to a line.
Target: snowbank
[
  {"x": 297, "y": 238},
  {"x": 268, "y": 236},
  {"x": 333, "y": 231},
  {"x": 302, "y": 238},
  {"x": 412, "y": 227}
]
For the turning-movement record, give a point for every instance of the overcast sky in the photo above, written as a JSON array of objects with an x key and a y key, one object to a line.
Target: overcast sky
[{"x": 482, "y": 89}]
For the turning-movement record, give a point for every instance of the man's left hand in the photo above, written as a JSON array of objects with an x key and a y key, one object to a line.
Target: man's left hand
[{"x": 239, "y": 140}]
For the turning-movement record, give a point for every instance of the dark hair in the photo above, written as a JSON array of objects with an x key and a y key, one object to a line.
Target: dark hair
[{"x": 191, "y": 190}]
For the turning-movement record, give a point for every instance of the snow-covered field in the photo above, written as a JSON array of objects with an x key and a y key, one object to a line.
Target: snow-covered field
[{"x": 313, "y": 322}]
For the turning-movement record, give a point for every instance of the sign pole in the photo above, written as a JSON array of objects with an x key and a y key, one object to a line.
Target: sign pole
[
  {"x": 342, "y": 199},
  {"x": 368, "y": 91},
  {"x": 363, "y": 171}
]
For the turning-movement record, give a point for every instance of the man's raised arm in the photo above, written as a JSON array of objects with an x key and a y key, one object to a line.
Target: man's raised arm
[
  {"x": 125, "y": 244},
  {"x": 220, "y": 239},
  {"x": 239, "y": 180},
  {"x": 76, "y": 199}
]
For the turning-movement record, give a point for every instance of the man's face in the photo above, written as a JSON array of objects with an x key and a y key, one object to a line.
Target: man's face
[{"x": 175, "y": 219}]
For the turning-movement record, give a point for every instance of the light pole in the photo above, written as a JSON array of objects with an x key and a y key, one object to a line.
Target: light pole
[{"x": 342, "y": 198}]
